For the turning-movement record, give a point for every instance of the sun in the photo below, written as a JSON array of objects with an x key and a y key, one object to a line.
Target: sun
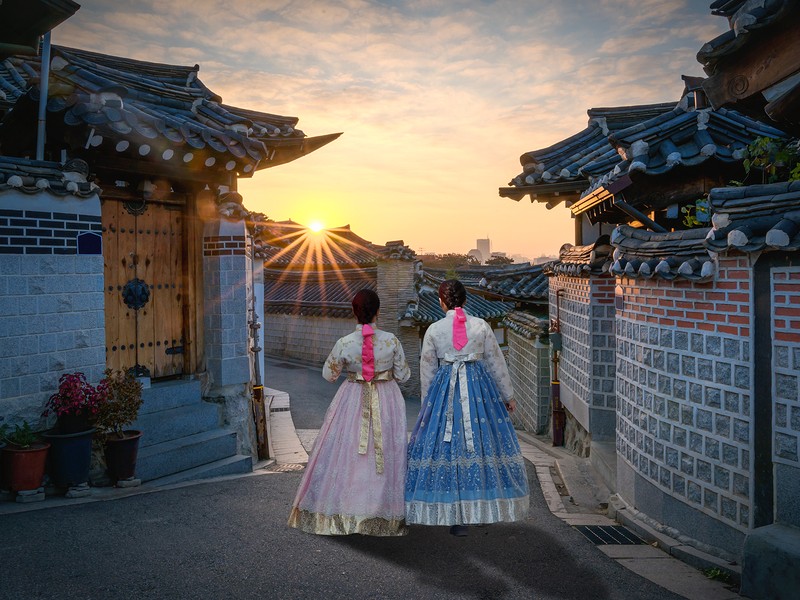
[{"x": 316, "y": 226}]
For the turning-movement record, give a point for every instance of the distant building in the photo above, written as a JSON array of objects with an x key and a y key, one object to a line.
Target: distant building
[{"x": 485, "y": 249}]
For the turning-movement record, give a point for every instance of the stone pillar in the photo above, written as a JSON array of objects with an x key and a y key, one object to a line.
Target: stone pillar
[
  {"x": 397, "y": 272},
  {"x": 227, "y": 299}
]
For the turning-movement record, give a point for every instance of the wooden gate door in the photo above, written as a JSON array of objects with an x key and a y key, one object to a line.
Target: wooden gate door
[{"x": 144, "y": 296}]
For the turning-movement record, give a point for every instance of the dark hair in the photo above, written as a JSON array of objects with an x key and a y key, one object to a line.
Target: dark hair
[
  {"x": 365, "y": 305},
  {"x": 452, "y": 293}
]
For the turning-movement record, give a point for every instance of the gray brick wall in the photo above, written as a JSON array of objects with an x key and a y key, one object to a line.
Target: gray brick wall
[
  {"x": 684, "y": 387},
  {"x": 529, "y": 367},
  {"x": 51, "y": 322},
  {"x": 587, "y": 360},
  {"x": 786, "y": 365},
  {"x": 225, "y": 313},
  {"x": 51, "y": 298}
]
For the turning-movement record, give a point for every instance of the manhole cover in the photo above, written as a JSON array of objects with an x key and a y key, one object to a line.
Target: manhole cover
[
  {"x": 285, "y": 468},
  {"x": 609, "y": 535}
]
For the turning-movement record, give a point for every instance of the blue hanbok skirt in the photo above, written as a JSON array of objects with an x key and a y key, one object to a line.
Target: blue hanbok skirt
[{"x": 463, "y": 482}]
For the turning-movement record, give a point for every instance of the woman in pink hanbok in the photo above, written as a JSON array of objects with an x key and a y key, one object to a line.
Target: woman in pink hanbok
[{"x": 355, "y": 476}]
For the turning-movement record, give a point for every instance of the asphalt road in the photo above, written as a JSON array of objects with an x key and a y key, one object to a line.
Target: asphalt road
[{"x": 229, "y": 539}]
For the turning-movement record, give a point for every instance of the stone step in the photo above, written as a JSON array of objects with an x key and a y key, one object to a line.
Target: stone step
[
  {"x": 175, "y": 423},
  {"x": 165, "y": 395},
  {"x": 174, "y": 456},
  {"x": 233, "y": 465}
]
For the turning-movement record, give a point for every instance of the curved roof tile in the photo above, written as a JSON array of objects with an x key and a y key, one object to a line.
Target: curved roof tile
[
  {"x": 671, "y": 255},
  {"x": 755, "y": 217},
  {"x": 139, "y": 107},
  {"x": 582, "y": 261}
]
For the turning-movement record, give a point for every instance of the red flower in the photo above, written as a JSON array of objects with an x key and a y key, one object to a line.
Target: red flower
[{"x": 76, "y": 396}]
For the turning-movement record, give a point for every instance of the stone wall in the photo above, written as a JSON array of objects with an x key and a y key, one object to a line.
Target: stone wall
[
  {"x": 684, "y": 387},
  {"x": 529, "y": 366},
  {"x": 396, "y": 289},
  {"x": 51, "y": 298},
  {"x": 585, "y": 309},
  {"x": 785, "y": 287},
  {"x": 307, "y": 339}
]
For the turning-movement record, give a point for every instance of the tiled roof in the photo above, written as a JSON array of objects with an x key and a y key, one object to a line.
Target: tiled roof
[
  {"x": 671, "y": 255},
  {"x": 427, "y": 310},
  {"x": 582, "y": 261},
  {"x": 318, "y": 293},
  {"x": 565, "y": 166},
  {"x": 291, "y": 245},
  {"x": 755, "y": 217},
  {"x": 23, "y": 22},
  {"x": 153, "y": 112},
  {"x": 678, "y": 138},
  {"x": 33, "y": 177},
  {"x": 527, "y": 325},
  {"x": 520, "y": 282}
]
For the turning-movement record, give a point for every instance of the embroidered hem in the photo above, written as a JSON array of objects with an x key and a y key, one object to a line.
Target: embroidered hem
[
  {"x": 474, "y": 512},
  {"x": 319, "y": 524}
]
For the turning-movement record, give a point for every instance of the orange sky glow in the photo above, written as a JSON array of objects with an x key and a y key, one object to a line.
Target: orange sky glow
[{"x": 436, "y": 100}]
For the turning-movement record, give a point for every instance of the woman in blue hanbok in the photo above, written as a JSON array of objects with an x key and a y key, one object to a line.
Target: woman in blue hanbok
[{"x": 464, "y": 462}]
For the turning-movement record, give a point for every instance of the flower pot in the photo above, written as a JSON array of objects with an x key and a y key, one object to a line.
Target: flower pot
[
  {"x": 23, "y": 468},
  {"x": 121, "y": 454},
  {"x": 70, "y": 457},
  {"x": 73, "y": 423}
]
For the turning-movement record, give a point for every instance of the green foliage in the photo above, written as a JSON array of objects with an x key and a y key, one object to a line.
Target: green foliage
[
  {"x": 499, "y": 260},
  {"x": 22, "y": 436},
  {"x": 775, "y": 159},
  {"x": 451, "y": 260},
  {"x": 717, "y": 574},
  {"x": 697, "y": 214},
  {"x": 123, "y": 401}
]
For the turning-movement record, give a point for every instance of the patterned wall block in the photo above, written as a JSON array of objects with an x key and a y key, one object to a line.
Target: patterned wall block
[
  {"x": 785, "y": 285},
  {"x": 684, "y": 390}
]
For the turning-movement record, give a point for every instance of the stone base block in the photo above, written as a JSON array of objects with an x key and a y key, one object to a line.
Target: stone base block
[
  {"x": 79, "y": 491},
  {"x": 30, "y": 496},
  {"x": 771, "y": 568},
  {"x": 129, "y": 483}
]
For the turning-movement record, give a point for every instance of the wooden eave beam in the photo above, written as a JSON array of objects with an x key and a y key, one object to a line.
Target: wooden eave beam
[
  {"x": 118, "y": 164},
  {"x": 546, "y": 192},
  {"x": 758, "y": 65}
]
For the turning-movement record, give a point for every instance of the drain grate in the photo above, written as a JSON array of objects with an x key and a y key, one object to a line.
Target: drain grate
[
  {"x": 284, "y": 365},
  {"x": 609, "y": 535}
]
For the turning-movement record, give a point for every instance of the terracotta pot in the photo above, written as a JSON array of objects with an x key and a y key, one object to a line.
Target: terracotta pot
[
  {"x": 70, "y": 457},
  {"x": 121, "y": 453},
  {"x": 23, "y": 468}
]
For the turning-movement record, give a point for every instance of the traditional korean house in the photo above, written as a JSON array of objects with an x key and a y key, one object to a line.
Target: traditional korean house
[
  {"x": 755, "y": 68},
  {"x": 310, "y": 279},
  {"x": 124, "y": 248},
  {"x": 655, "y": 316}
]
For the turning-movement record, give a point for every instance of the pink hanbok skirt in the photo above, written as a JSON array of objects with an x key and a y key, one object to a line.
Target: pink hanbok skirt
[{"x": 341, "y": 491}]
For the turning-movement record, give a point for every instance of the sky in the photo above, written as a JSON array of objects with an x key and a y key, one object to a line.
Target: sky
[{"x": 436, "y": 99}]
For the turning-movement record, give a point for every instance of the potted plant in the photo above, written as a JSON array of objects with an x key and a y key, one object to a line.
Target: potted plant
[
  {"x": 119, "y": 410},
  {"x": 23, "y": 458},
  {"x": 75, "y": 405}
]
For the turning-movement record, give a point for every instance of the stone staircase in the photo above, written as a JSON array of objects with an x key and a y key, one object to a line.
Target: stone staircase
[{"x": 183, "y": 436}]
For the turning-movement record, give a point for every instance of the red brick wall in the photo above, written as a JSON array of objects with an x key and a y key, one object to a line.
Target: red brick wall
[{"x": 722, "y": 306}]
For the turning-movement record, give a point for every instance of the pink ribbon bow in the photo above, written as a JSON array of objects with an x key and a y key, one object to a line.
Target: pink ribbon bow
[
  {"x": 459, "y": 329},
  {"x": 367, "y": 353}
]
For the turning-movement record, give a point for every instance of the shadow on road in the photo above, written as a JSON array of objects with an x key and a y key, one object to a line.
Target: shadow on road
[{"x": 490, "y": 562}]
